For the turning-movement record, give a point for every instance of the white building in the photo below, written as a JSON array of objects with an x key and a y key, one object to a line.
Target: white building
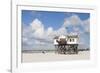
[{"x": 70, "y": 39}]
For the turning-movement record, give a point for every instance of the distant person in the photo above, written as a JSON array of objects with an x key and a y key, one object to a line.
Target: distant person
[{"x": 43, "y": 52}]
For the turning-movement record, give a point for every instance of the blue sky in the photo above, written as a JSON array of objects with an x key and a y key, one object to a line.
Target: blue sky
[{"x": 54, "y": 21}]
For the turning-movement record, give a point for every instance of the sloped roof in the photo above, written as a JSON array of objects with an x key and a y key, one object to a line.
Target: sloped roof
[
  {"x": 56, "y": 37},
  {"x": 72, "y": 36}
]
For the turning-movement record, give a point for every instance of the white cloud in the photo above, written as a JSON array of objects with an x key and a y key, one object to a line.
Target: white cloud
[
  {"x": 73, "y": 20},
  {"x": 49, "y": 30},
  {"x": 35, "y": 34},
  {"x": 36, "y": 24},
  {"x": 86, "y": 25},
  {"x": 81, "y": 27},
  {"x": 38, "y": 42},
  {"x": 61, "y": 31},
  {"x": 66, "y": 22},
  {"x": 37, "y": 28}
]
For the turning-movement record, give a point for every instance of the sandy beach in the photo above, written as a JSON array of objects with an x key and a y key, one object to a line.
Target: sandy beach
[{"x": 52, "y": 56}]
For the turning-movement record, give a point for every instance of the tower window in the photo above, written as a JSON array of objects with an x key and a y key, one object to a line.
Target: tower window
[
  {"x": 73, "y": 39},
  {"x": 70, "y": 40}
]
